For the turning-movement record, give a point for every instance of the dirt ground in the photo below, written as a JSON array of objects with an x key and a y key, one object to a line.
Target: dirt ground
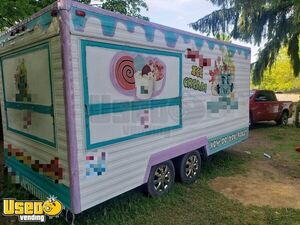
[
  {"x": 263, "y": 185},
  {"x": 273, "y": 182}
]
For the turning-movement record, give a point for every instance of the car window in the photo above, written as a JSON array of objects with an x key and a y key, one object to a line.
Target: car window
[
  {"x": 261, "y": 96},
  {"x": 265, "y": 96},
  {"x": 270, "y": 96},
  {"x": 273, "y": 96}
]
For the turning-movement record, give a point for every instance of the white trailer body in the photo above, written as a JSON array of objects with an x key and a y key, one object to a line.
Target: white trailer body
[{"x": 105, "y": 97}]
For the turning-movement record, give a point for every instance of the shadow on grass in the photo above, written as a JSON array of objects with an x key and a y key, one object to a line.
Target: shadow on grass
[
  {"x": 225, "y": 163},
  {"x": 263, "y": 125}
]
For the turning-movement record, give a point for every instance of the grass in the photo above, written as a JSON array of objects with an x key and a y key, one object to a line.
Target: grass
[{"x": 197, "y": 203}]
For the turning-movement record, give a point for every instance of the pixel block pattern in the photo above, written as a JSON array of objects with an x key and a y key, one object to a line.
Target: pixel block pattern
[
  {"x": 95, "y": 165},
  {"x": 53, "y": 170}
]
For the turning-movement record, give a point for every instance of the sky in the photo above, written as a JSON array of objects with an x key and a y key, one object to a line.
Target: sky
[{"x": 179, "y": 13}]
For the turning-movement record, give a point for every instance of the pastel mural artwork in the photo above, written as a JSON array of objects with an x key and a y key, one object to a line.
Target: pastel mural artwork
[
  {"x": 27, "y": 86},
  {"x": 124, "y": 72},
  {"x": 21, "y": 82},
  {"x": 222, "y": 78},
  {"x": 138, "y": 76},
  {"x": 196, "y": 81}
]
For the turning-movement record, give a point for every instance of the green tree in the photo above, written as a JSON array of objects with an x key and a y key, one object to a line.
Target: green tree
[
  {"x": 13, "y": 11},
  {"x": 280, "y": 76},
  {"x": 127, "y": 7},
  {"x": 223, "y": 37},
  {"x": 276, "y": 21}
]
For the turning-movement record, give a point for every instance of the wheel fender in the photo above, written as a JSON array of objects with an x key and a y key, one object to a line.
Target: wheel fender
[{"x": 174, "y": 152}]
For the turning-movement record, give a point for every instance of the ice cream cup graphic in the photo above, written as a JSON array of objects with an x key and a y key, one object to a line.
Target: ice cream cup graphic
[
  {"x": 158, "y": 84},
  {"x": 144, "y": 85}
]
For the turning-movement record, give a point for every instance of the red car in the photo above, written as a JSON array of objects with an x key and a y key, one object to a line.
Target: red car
[{"x": 264, "y": 106}]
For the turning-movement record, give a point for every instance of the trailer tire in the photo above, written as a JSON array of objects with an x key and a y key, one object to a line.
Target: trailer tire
[
  {"x": 188, "y": 167},
  {"x": 161, "y": 179}
]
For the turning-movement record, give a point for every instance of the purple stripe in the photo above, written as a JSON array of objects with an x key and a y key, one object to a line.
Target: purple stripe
[
  {"x": 155, "y": 25},
  {"x": 173, "y": 152},
  {"x": 64, "y": 6}
]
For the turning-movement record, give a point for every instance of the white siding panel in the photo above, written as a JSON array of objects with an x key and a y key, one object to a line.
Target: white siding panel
[
  {"x": 37, "y": 150},
  {"x": 126, "y": 161}
]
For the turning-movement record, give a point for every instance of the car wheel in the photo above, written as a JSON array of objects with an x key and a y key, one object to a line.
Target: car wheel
[
  {"x": 251, "y": 123},
  {"x": 189, "y": 167},
  {"x": 283, "y": 119},
  {"x": 161, "y": 179}
]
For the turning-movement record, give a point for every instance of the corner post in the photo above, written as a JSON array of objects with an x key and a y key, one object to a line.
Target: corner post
[{"x": 64, "y": 7}]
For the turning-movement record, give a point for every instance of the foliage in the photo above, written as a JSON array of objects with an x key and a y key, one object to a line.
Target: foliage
[
  {"x": 127, "y": 7},
  {"x": 280, "y": 76},
  {"x": 277, "y": 21},
  {"x": 13, "y": 11},
  {"x": 223, "y": 37}
]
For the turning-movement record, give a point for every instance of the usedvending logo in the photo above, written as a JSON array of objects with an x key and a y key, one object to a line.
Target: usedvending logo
[{"x": 32, "y": 211}]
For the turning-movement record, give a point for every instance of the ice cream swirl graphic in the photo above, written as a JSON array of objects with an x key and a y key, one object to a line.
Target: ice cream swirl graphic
[{"x": 125, "y": 71}]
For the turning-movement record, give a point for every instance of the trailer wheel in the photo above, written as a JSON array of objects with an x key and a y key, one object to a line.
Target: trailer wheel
[
  {"x": 189, "y": 167},
  {"x": 161, "y": 179}
]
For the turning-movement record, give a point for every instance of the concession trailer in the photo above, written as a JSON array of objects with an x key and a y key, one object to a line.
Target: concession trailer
[{"x": 95, "y": 103}]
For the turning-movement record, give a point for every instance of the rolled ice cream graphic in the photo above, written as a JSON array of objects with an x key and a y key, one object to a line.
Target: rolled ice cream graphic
[
  {"x": 125, "y": 71},
  {"x": 138, "y": 76}
]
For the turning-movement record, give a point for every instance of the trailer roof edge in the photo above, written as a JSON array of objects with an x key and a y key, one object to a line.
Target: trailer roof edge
[{"x": 155, "y": 25}]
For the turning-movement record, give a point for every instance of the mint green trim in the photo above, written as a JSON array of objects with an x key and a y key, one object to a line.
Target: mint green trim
[
  {"x": 180, "y": 89},
  {"x": 30, "y": 136},
  {"x": 25, "y": 50},
  {"x": 28, "y": 106},
  {"x": 96, "y": 109},
  {"x": 228, "y": 143},
  {"x": 33, "y": 107},
  {"x": 129, "y": 48},
  {"x": 116, "y": 140},
  {"x": 44, "y": 183}
]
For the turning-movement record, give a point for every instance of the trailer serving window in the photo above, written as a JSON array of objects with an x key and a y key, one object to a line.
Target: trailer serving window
[
  {"x": 129, "y": 92},
  {"x": 27, "y": 88}
]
